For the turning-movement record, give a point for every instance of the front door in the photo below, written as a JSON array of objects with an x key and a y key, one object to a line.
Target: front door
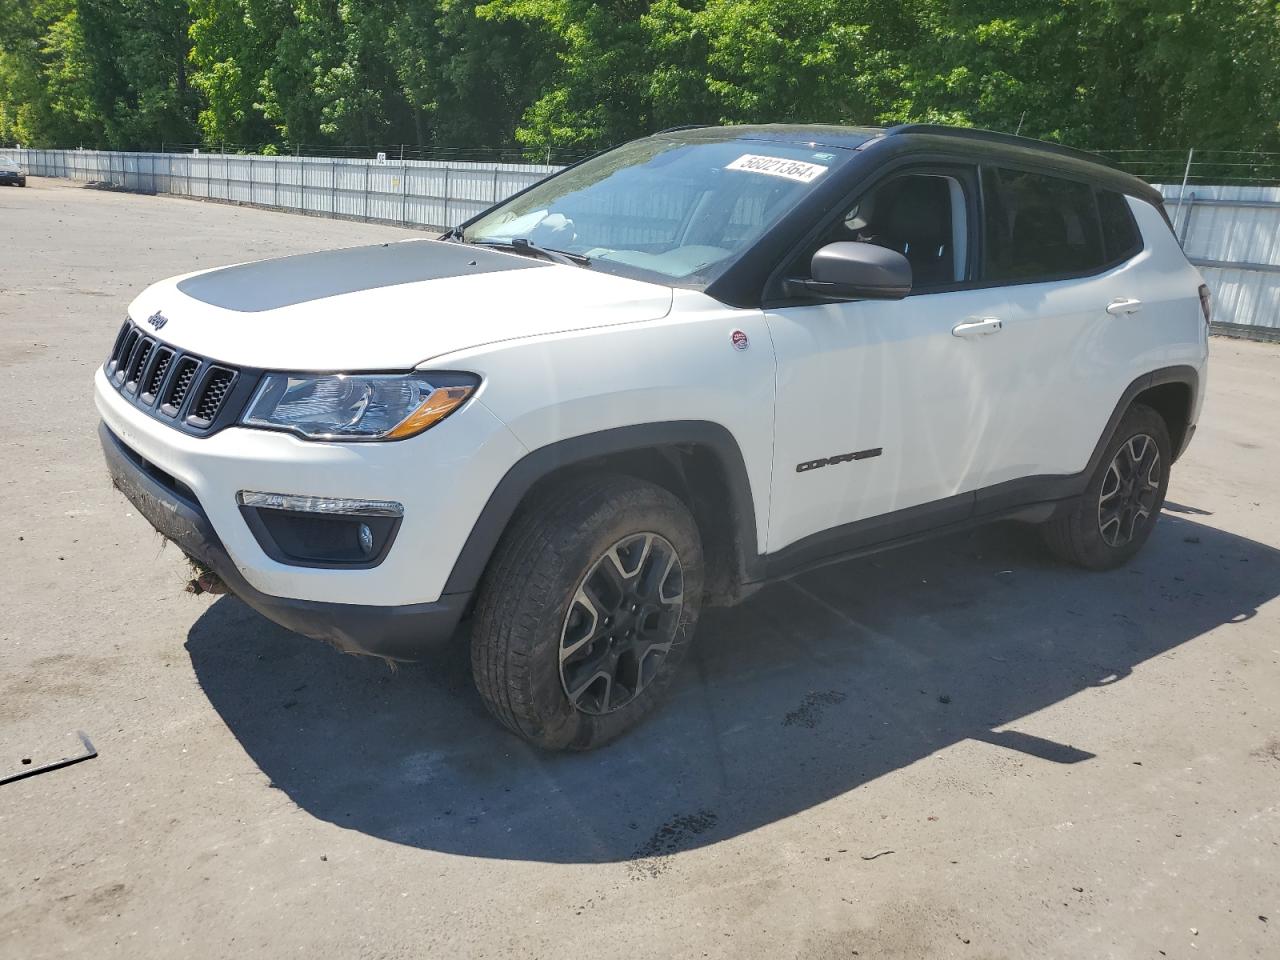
[{"x": 881, "y": 406}]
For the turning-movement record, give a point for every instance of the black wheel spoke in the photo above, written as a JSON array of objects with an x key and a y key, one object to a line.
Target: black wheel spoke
[
  {"x": 1129, "y": 490},
  {"x": 621, "y": 623},
  {"x": 1109, "y": 518}
]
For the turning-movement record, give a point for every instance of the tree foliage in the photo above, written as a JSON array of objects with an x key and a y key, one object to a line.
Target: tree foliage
[{"x": 582, "y": 74}]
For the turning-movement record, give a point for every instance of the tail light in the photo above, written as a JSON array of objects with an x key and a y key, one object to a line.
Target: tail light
[{"x": 1206, "y": 304}]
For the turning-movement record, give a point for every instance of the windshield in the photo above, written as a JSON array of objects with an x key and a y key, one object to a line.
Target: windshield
[{"x": 662, "y": 209}]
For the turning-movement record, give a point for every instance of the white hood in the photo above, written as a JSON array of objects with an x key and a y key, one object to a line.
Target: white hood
[{"x": 386, "y": 307}]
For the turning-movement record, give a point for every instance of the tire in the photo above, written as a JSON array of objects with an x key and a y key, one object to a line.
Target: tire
[
  {"x": 565, "y": 555},
  {"x": 1115, "y": 515}
]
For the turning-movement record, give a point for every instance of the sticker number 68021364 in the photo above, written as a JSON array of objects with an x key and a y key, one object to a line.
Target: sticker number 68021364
[{"x": 796, "y": 170}]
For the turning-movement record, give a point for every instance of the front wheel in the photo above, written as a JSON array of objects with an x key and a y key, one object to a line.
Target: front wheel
[
  {"x": 586, "y": 610},
  {"x": 1115, "y": 515}
]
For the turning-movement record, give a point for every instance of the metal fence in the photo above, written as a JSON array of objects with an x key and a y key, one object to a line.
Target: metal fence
[
  {"x": 426, "y": 193},
  {"x": 1232, "y": 233}
]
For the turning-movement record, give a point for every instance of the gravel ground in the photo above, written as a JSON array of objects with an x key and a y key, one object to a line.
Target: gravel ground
[{"x": 959, "y": 749}]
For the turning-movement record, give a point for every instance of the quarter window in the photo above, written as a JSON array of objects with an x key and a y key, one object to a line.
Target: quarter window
[
  {"x": 1119, "y": 233},
  {"x": 1039, "y": 227}
]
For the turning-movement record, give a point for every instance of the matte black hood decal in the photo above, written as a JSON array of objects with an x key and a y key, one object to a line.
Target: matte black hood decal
[{"x": 270, "y": 284}]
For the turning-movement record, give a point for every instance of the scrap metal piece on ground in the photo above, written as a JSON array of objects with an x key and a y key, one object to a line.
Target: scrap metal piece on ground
[
  {"x": 873, "y": 856},
  {"x": 89, "y": 754}
]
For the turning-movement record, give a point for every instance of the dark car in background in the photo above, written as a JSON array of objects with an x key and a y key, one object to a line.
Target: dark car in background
[{"x": 11, "y": 174}]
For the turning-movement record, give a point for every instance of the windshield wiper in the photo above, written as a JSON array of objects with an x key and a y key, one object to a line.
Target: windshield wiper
[{"x": 522, "y": 245}]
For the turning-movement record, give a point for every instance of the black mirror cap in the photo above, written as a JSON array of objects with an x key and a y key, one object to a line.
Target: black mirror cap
[{"x": 855, "y": 271}]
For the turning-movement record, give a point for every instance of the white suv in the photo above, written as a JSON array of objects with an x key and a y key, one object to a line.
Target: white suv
[{"x": 700, "y": 361}]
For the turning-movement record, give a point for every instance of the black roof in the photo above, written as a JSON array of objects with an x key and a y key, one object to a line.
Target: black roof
[
  {"x": 967, "y": 140},
  {"x": 834, "y": 135},
  {"x": 819, "y": 134},
  {"x": 994, "y": 137}
]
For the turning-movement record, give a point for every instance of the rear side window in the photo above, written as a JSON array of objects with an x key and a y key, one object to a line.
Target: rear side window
[
  {"x": 1120, "y": 234},
  {"x": 1039, "y": 227}
]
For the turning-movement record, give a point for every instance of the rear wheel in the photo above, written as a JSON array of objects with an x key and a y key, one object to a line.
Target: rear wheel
[
  {"x": 1115, "y": 515},
  {"x": 587, "y": 608}
]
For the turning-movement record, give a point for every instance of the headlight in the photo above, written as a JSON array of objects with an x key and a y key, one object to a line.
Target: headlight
[{"x": 357, "y": 406}]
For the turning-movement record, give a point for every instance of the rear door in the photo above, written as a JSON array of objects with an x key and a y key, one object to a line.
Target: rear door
[{"x": 1065, "y": 254}]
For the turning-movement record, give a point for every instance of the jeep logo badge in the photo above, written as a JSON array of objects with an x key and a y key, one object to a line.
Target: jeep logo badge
[{"x": 157, "y": 320}]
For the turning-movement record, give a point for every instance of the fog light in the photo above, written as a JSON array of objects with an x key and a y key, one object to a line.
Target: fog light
[
  {"x": 321, "y": 531},
  {"x": 287, "y": 501}
]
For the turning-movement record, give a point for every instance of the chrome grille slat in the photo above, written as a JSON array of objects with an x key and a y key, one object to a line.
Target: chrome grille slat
[
  {"x": 126, "y": 351},
  {"x": 186, "y": 372},
  {"x": 137, "y": 363},
  {"x": 163, "y": 357},
  {"x": 214, "y": 390},
  {"x": 114, "y": 361}
]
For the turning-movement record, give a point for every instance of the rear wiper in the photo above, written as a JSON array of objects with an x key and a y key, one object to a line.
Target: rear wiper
[{"x": 521, "y": 245}]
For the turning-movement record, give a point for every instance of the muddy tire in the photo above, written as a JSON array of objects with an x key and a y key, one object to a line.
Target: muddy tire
[{"x": 586, "y": 610}]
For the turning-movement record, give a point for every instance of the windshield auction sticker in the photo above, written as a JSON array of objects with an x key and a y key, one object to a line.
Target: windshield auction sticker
[{"x": 796, "y": 170}]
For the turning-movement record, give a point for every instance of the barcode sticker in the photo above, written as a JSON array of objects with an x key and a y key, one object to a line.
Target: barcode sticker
[{"x": 796, "y": 170}]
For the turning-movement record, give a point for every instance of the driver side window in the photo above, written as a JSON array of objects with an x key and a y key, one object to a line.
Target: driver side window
[{"x": 922, "y": 216}]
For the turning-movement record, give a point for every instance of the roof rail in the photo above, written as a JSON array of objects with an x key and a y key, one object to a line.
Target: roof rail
[
  {"x": 992, "y": 136},
  {"x": 683, "y": 126}
]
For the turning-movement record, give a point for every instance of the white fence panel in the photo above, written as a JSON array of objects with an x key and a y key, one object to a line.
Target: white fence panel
[
  {"x": 1232, "y": 233},
  {"x": 430, "y": 193}
]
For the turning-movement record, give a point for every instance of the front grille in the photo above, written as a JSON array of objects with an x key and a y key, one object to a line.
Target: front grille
[{"x": 192, "y": 392}]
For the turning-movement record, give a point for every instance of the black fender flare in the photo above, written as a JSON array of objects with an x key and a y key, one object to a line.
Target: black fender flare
[
  {"x": 1044, "y": 489},
  {"x": 540, "y": 463},
  {"x": 1178, "y": 374}
]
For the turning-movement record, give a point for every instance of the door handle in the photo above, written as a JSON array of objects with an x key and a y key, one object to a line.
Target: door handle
[
  {"x": 1123, "y": 306},
  {"x": 981, "y": 327}
]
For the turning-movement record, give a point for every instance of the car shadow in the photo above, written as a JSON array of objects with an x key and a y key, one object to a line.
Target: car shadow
[{"x": 810, "y": 689}]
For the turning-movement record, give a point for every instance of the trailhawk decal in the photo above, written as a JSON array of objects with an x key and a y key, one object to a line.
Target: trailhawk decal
[
  {"x": 838, "y": 458},
  {"x": 796, "y": 170}
]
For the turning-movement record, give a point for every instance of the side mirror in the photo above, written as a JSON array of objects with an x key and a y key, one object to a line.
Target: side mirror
[{"x": 854, "y": 271}]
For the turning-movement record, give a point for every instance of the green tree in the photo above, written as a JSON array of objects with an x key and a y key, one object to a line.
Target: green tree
[
  {"x": 578, "y": 75},
  {"x": 232, "y": 45},
  {"x": 46, "y": 92}
]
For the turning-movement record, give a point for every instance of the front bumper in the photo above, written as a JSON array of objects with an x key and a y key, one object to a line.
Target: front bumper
[
  {"x": 443, "y": 478},
  {"x": 398, "y": 632}
]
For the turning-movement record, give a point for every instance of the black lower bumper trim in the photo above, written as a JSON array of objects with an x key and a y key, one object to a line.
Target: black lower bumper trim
[{"x": 400, "y": 633}]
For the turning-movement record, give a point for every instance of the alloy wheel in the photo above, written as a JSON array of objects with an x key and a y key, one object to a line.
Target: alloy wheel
[
  {"x": 1130, "y": 490},
  {"x": 621, "y": 623}
]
